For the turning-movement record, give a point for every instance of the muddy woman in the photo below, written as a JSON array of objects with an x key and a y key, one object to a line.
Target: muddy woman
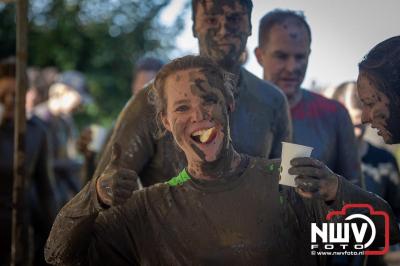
[{"x": 224, "y": 207}]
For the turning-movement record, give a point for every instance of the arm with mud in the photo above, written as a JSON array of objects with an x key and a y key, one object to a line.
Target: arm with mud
[
  {"x": 134, "y": 131},
  {"x": 348, "y": 193},
  {"x": 84, "y": 233}
]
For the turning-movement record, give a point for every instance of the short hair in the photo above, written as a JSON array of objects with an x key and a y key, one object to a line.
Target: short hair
[
  {"x": 148, "y": 64},
  {"x": 157, "y": 92},
  {"x": 278, "y": 16},
  {"x": 8, "y": 68},
  {"x": 382, "y": 66},
  {"x": 246, "y": 3}
]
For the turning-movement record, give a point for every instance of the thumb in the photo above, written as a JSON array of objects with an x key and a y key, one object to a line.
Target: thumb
[{"x": 115, "y": 154}]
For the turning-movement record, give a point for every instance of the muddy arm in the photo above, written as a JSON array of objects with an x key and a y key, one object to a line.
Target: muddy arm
[
  {"x": 349, "y": 193},
  {"x": 134, "y": 131},
  {"x": 70, "y": 235}
]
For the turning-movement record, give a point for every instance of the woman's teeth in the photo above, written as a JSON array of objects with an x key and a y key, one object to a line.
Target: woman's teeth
[{"x": 203, "y": 135}]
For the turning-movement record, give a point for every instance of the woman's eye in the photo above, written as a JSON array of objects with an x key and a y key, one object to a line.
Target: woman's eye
[{"x": 181, "y": 108}]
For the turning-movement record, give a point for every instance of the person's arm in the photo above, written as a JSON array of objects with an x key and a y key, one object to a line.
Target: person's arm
[
  {"x": 86, "y": 232},
  {"x": 70, "y": 235},
  {"x": 348, "y": 163},
  {"x": 329, "y": 191},
  {"x": 349, "y": 193},
  {"x": 282, "y": 128},
  {"x": 134, "y": 132}
]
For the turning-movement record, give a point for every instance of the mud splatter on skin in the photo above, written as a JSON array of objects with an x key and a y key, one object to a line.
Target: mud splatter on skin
[
  {"x": 224, "y": 164},
  {"x": 212, "y": 108},
  {"x": 227, "y": 158},
  {"x": 216, "y": 7},
  {"x": 198, "y": 85},
  {"x": 293, "y": 36},
  {"x": 222, "y": 28},
  {"x": 287, "y": 27},
  {"x": 379, "y": 108}
]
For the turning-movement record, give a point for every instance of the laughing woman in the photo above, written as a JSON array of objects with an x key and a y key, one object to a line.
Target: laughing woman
[{"x": 224, "y": 208}]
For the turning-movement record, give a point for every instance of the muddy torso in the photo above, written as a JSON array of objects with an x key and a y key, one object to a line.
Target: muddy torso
[{"x": 226, "y": 222}]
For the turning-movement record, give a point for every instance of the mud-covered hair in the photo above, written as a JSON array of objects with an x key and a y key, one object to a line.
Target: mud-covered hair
[
  {"x": 215, "y": 74},
  {"x": 382, "y": 66},
  {"x": 277, "y": 17},
  {"x": 246, "y": 3}
]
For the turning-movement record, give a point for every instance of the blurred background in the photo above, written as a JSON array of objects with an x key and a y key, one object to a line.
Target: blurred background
[{"x": 101, "y": 39}]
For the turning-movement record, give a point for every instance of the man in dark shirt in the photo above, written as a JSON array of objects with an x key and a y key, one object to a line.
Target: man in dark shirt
[{"x": 259, "y": 121}]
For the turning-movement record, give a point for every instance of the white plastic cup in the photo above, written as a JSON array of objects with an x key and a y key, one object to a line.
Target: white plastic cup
[
  {"x": 99, "y": 135},
  {"x": 290, "y": 151}
]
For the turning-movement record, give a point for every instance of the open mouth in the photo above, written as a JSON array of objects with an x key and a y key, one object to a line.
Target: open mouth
[{"x": 204, "y": 136}]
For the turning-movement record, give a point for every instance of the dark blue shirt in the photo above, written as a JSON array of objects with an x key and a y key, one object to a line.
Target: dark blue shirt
[{"x": 381, "y": 175}]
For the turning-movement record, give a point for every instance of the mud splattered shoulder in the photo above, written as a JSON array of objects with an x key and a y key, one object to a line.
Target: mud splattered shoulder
[{"x": 262, "y": 90}]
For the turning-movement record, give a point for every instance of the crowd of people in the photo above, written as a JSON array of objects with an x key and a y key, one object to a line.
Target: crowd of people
[{"x": 189, "y": 172}]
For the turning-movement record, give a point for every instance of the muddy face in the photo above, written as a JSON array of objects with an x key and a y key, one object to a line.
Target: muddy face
[
  {"x": 284, "y": 56},
  {"x": 222, "y": 28},
  {"x": 379, "y": 110},
  {"x": 196, "y": 114}
]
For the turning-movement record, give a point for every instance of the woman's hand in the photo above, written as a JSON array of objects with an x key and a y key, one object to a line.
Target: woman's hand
[
  {"x": 314, "y": 179},
  {"x": 116, "y": 184}
]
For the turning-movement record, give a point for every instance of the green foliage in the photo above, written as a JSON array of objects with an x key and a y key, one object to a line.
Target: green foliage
[{"x": 101, "y": 38}]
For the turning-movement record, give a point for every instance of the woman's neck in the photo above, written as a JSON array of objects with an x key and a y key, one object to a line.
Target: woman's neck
[{"x": 227, "y": 164}]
